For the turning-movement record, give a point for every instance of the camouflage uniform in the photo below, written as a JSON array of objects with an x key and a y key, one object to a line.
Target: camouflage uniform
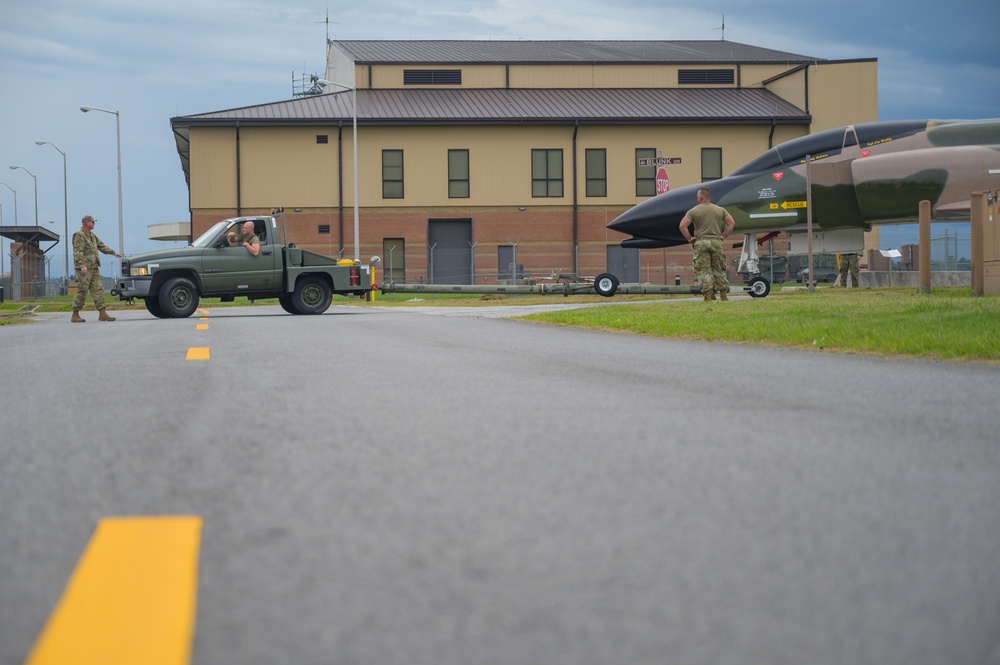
[
  {"x": 849, "y": 264},
  {"x": 709, "y": 258},
  {"x": 86, "y": 246}
]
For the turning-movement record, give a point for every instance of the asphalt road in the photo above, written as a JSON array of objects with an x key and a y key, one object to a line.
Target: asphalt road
[{"x": 440, "y": 487}]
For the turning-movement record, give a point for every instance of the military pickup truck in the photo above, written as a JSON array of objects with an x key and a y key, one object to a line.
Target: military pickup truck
[{"x": 171, "y": 281}]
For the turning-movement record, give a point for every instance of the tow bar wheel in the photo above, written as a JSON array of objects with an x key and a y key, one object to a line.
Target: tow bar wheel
[
  {"x": 759, "y": 287},
  {"x": 606, "y": 284}
]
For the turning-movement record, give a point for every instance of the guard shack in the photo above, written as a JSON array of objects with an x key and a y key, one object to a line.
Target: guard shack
[{"x": 28, "y": 263}]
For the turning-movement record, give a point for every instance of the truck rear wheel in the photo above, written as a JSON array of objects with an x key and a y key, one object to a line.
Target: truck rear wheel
[
  {"x": 312, "y": 296},
  {"x": 178, "y": 298}
]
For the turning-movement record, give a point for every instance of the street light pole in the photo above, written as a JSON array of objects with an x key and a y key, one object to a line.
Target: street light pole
[
  {"x": 354, "y": 103},
  {"x": 13, "y": 168},
  {"x": 65, "y": 206},
  {"x": 14, "y": 191},
  {"x": 118, "y": 131}
]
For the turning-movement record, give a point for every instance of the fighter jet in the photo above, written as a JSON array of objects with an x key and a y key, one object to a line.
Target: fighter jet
[{"x": 864, "y": 174}]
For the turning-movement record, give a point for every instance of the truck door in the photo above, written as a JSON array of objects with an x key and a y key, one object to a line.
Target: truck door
[{"x": 232, "y": 269}]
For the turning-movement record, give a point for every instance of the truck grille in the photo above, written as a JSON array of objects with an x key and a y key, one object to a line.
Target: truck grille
[{"x": 126, "y": 264}]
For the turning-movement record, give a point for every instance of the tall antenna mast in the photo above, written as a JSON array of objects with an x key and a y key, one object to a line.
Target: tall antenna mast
[{"x": 723, "y": 27}]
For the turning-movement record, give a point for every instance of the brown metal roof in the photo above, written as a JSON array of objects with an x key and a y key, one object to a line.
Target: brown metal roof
[
  {"x": 518, "y": 106},
  {"x": 568, "y": 52}
]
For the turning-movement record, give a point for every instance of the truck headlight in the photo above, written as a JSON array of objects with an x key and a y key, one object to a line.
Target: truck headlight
[{"x": 139, "y": 272}]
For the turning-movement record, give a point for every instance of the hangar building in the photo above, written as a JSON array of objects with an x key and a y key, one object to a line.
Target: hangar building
[{"x": 481, "y": 161}]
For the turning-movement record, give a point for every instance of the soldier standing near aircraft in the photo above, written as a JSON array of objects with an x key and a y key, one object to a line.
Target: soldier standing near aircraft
[
  {"x": 849, "y": 264},
  {"x": 87, "y": 260},
  {"x": 712, "y": 225}
]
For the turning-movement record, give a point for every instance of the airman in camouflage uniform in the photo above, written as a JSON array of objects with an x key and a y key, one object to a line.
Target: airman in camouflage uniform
[
  {"x": 849, "y": 264},
  {"x": 712, "y": 225},
  {"x": 87, "y": 250}
]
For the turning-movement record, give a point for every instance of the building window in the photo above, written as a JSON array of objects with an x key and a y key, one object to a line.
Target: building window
[
  {"x": 711, "y": 164},
  {"x": 432, "y": 77},
  {"x": 394, "y": 260},
  {"x": 324, "y": 229},
  {"x": 392, "y": 174},
  {"x": 706, "y": 77},
  {"x": 597, "y": 171},
  {"x": 458, "y": 174},
  {"x": 322, "y": 139},
  {"x": 645, "y": 176},
  {"x": 547, "y": 173}
]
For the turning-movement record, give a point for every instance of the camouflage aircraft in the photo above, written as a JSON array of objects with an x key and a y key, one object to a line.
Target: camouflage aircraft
[{"x": 865, "y": 174}]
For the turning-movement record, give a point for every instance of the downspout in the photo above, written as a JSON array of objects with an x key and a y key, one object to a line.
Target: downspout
[
  {"x": 770, "y": 135},
  {"x": 576, "y": 205}
]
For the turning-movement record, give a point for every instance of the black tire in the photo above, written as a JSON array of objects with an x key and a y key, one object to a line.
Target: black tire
[
  {"x": 606, "y": 284},
  {"x": 153, "y": 307},
  {"x": 759, "y": 287},
  {"x": 312, "y": 296},
  {"x": 178, "y": 298},
  {"x": 286, "y": 304}
]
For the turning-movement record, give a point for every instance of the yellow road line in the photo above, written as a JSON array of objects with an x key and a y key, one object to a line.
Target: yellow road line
[
  {"x": 201, "y": 326},
  {"x": 131, "y": 599},
  {"x": 197, "y": 353}
]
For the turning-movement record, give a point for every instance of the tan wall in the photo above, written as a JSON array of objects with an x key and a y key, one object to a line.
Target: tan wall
[
  {"x": 285, "y": 166},
  {"x": 792, "y": 88},
  {"x": 843, "y": 94},
  {"x": 593, "y": 76},
  {"x": 473, "y": 76},
  {"x": 213, "y": 176}
]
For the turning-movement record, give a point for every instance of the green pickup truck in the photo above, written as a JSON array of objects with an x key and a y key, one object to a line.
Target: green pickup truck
[{"x": 172, "y": 281}]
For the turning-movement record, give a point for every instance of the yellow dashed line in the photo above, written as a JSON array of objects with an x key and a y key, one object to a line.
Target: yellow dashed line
[
  {"x": 201, "y": 326},
  {"x": 197, "y": 353},
  {"x": 131, "y": 598}
]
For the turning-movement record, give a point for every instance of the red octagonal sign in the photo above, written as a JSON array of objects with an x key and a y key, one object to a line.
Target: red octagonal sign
[{"x": 662, "y": 181}]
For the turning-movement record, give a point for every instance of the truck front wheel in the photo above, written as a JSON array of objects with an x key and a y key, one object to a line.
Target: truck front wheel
[
  {"x": 153, "y": 307},
  {"x": 312, "y": 296},
  {"x": 178, "y": 298}
]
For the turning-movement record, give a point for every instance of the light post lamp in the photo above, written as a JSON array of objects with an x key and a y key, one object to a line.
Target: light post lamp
[
  {"x": 354, "y": 104},
  {"x": 14, "y": 168},
  {"x": 65, "y": 205},
  {"x": 118, "y": 131}
]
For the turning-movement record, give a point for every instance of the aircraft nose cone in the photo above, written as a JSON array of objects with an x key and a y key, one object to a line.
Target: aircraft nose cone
[{"x": 658, "y": 218}]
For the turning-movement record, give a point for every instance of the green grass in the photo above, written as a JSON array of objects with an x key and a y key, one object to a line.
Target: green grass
[{"x": 946, "y": 324}]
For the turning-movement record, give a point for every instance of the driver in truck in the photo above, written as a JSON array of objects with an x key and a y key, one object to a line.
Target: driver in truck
[{"x": 248, "y": 239}]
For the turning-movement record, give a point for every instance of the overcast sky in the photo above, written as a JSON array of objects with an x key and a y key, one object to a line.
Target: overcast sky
[{"x": 154, "y": 61}]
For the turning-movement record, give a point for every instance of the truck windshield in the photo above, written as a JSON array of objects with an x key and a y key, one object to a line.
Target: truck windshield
[{"x": 206, "y": 238}]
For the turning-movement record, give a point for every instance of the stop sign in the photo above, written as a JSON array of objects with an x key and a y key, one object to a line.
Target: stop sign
[{"x": 662, "y": 181}]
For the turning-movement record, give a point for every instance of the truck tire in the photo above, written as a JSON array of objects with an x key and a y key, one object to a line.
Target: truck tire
[
  {"x": 312, "y": 295},
  {"x": 286, "y": 304},
  {"x": 178, "y": 298},
  {"x": 153, "y": 307}
]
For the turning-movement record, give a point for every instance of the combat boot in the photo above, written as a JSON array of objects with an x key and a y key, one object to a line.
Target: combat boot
[
  {"x": 709, "y": 298},
  {"x": 105, "y": 316},
  {"x": 723, "y": 295},
  {"x": 77, "y": 318}
]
